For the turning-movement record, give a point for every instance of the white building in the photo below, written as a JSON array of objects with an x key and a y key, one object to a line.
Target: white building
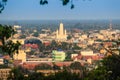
[
  {"x": 73, "y": 55},
  {"x": 1, "y": 61},
  {"x": 21, "y": 55},
  {"x": 17, "y": 26},
  {"x": 87, "y": 53},
  {"x": 61, "y": 34}
]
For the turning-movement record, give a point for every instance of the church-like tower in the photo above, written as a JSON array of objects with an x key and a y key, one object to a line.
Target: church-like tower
[
  {"x": 110, "y": 26},
  {"x": 61, "y": 34}
]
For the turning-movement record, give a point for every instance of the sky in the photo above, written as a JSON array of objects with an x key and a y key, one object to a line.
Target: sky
[{"x": 84, "y": 10}]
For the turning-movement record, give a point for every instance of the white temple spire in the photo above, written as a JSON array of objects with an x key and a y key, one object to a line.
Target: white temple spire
[{"x": 61, "y": 33}]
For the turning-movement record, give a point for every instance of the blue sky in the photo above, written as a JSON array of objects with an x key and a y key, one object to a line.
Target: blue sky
[{"x": 31, "y": 10}]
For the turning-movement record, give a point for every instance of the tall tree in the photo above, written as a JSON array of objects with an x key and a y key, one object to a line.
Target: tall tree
[
  {"x": 16, "y": 74},
  {"x": 63, "y": 75},
  {"x": 7, "y": 46},
  {"x": 108, "y": 69},
  {"x": 76, "y": 65}
]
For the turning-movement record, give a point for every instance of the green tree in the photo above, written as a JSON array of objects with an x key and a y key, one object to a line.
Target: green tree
[
  {"x": 43, "y": 66},
  {"x": 5, "y": 33},
  {"x": 16, "y": 74},
  {"x": 54, "y": 44},
  {"x": 69, "y": 37},
  {"x": 64, "y": 45},
  {"x": 97, "y": 74},
  {"x": 3, "y": 66},
  {"x": 2, "y": 5},
  {"x": 68, "y": 55},
  {"x": 112, "y": 67},
  {"x": 63, "y": 75},
  {"x": 108, "y": 68},
  {"x": 36, "y": 34},
  {"x": 35, "y": 76},
  {"x": 8, "y": 47},
  {"x": 76, "y": 47},
  {"x": 76, "y": 65},
  {"x": 23, "y": 36},
  {"x": 42, "y": 2}
]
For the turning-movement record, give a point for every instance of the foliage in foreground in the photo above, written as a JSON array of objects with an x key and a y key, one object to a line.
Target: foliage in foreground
[
  {"x": 8, "y": 46},
  {"x": 16, "y": 74},
  {"x": 108, "y": 70}
]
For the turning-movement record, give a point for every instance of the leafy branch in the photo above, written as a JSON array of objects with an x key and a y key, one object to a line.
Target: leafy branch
[{"x": 42, "y": 2}]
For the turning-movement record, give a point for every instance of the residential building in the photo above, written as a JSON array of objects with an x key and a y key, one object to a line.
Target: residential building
[
  {"x": 58, "y": 55},
  {"x": 87, "y": 53},
  {"x": 4, "y": 73},
  {"x": 1, "y": 61},
  {"x": 21, "y": 41},
  {"x": 21, "y": 55}
]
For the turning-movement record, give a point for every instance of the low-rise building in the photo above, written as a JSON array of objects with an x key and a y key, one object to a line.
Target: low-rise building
[
  {"x": 87, "y": 53},
  {"x": 4, "y": 73},
  {"x": 1, "y": 61},
  {"x": 58, "y": 55},
  {"x": 21, "y": 55},
  {"x": 21, "y": 41},
  {"x": 38, "y": 59},
  {"x": 73, "y": 55}
]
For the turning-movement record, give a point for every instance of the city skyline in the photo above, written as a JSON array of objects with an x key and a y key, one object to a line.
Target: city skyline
[{"x": 32, "y": 10}]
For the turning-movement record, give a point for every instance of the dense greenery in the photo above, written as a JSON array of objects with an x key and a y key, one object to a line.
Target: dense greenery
[
  {"x": 108, "y": 70},
  {"x": 7, "y": 46},
  {"x": 64, "y": 75},
  {"x": 36, "y": 34},
  {"x": 76, "y": 66},
  {"x": 16, "y": 74},
  {"x": 43, "y": 66},
  {"x": 5, "y": 33},
  {"x": 3, "y": 66}
]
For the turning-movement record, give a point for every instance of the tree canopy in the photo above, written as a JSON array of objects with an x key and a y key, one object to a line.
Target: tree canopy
[
  {"x": 7, "y": 46},
  {"x": 108, "y": 68}
]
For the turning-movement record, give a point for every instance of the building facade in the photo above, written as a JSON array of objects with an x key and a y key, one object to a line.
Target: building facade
[
  {"x": 4, "y": 73},
  {"x": 58, "y": 55},
  {"x": 1, "y": 61},
  {"x": 21, "y": 55}
]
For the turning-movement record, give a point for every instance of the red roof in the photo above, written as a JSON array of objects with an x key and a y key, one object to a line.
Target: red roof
[
  {"x": 32, "y": 45},
  {"x": 17, "y": 62},
  {"x": 32, "y": 65},
  {"x": 46, "y": 43},
  {"x": 6, "y": 57},
  {"x": 60, "y": 64},
  {"x": 96, "y": 57}
]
